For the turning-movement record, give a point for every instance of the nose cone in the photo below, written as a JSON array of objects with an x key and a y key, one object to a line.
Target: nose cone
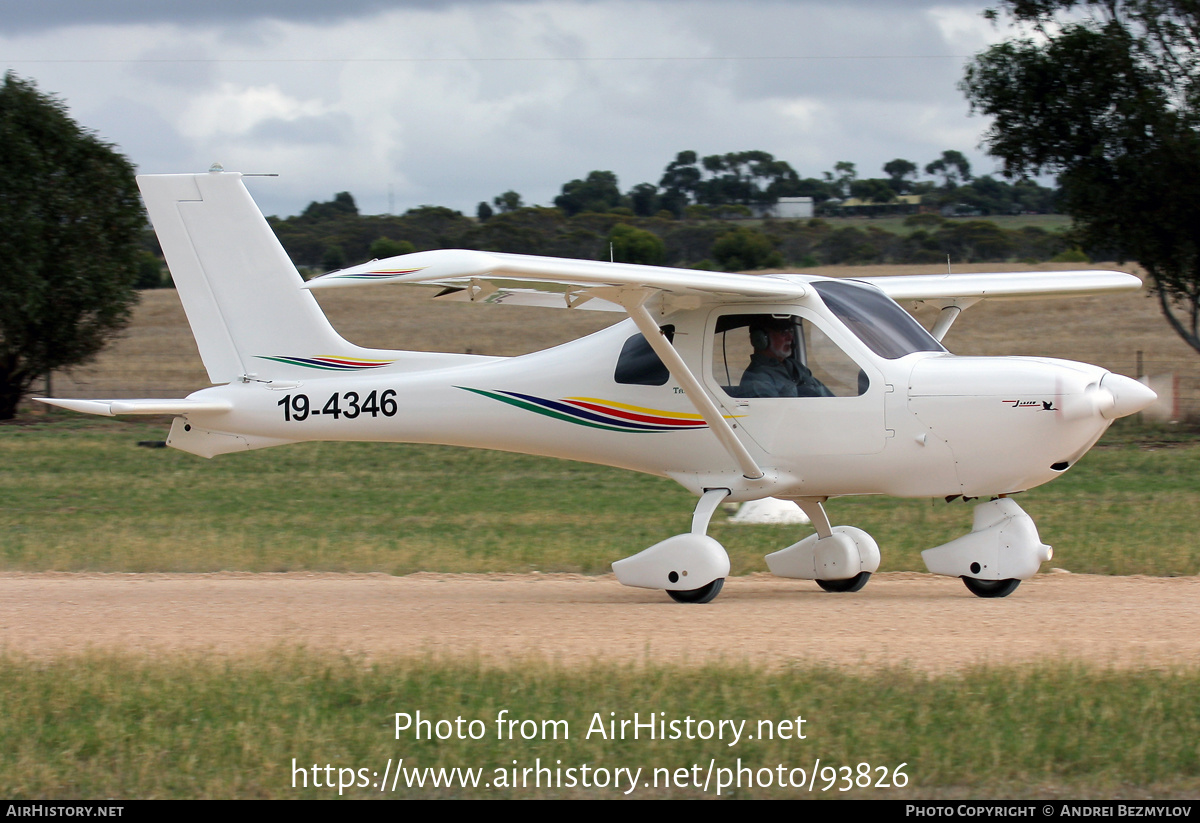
[{"x": 1128, "y": 396}]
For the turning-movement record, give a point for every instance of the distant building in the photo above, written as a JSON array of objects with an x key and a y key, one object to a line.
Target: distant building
[
  {"x": 856, "y": 207},
  {"x": 787, "y": 208}
]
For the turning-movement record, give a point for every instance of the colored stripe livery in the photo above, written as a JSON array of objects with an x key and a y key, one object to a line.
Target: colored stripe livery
[
  {"x": 330, "y": 363},
  {"x": 599, "y": 414},
  {"x": 381, "y": 274}
]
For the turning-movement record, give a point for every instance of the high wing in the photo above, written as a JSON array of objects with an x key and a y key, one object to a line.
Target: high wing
[
  {"x": 953, "y": 293},
  {"x": 518, "y": 279},
  {"x": 946, "y": 289}
]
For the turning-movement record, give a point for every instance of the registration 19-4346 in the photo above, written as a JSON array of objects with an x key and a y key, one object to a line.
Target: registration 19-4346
[{"x": 340, "y": 404}]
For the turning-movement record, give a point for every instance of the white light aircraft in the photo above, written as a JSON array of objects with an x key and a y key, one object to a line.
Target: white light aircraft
[{"x": 738, "y": 387}]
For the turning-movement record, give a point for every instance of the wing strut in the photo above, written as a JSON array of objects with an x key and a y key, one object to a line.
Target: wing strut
[
  {"x": 634, "y": 302},
  {"x": 944, "y": 321}
]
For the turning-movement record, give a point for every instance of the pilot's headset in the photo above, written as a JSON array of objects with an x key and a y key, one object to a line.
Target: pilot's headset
[{"x": 759, "y": 331}]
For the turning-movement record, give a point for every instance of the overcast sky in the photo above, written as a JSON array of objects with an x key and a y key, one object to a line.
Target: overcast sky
[{"x": 451, "y": 103}]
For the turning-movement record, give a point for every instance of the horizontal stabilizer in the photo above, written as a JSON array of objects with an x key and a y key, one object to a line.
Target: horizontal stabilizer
[{"x": 111, "y": 408}]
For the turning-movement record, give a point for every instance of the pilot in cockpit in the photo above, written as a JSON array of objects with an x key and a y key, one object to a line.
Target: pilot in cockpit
[{"x": 775, "y": 369}]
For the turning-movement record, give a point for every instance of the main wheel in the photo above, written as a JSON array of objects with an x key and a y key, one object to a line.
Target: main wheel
[
  {"x": 704, "y": 594},
  {"x": 852, "y": 585},
  {"x": 991, "y": 588}
]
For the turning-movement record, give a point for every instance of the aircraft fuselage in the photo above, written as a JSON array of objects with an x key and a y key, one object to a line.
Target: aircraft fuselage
[{"x": 923, "y": 424}]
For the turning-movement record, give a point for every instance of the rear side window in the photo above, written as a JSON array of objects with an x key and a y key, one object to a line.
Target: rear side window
[{"x": 638, "y": 365}]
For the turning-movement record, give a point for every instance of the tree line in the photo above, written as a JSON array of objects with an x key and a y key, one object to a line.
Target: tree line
[
  {"x": 731, "y": 185},
  {"x": 329, "y": 240},
  {"x": 691, "y": 218}
]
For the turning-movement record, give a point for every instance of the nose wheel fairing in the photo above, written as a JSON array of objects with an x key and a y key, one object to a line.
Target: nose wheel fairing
[{"x": 1003, "y": 546}]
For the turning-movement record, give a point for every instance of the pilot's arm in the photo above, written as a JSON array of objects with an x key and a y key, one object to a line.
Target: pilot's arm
[{"x": 807, "y": 385}]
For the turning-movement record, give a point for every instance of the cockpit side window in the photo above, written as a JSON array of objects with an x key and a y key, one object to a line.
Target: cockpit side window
[
  {"x": 772, "y": 355},
  {"x": 638, "y": 365},
  {"x": 876, "y": 319}
]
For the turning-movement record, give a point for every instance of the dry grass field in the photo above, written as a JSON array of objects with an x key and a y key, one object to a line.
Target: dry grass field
[{"x": 157, "y": 357}]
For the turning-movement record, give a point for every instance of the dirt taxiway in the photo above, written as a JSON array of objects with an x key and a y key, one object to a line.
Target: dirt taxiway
[{"x": 928, "y": 623}]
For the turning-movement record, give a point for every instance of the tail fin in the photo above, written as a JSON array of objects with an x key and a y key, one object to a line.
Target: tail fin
[{"x": 241, "y": 293}]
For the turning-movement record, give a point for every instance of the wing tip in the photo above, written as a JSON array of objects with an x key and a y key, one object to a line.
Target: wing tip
[{"x": 100, "y": 407}]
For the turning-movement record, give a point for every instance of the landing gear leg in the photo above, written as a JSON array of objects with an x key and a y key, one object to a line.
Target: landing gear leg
[{"x": 815, "y": 509}]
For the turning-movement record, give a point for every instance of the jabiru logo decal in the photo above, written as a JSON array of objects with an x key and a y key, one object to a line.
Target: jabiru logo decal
[{"x": 1044, "y": 405}]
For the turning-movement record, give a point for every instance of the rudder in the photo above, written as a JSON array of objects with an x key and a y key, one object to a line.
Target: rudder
[{"x": 240, "y": 291}]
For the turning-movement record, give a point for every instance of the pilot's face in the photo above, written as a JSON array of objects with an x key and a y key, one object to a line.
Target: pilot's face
[{"x": 781, "y": 342}]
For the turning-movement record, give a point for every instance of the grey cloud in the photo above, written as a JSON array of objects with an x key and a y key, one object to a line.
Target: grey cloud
[
  {"x": 327, "y": 130},
  {"x": 25, "y": 16},
  {"x": 20, "y": 16},
  {"x": 139, "y": 131},
  {"x": 461, "y": 131}
]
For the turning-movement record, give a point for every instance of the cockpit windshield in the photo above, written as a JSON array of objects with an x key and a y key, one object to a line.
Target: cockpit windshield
[{"x": 876, "y": 319}]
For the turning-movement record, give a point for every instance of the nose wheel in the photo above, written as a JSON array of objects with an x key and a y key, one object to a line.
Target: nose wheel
[
  {"x": 852, "y": 585},
  {"x": 704, "y": 594},
  {"x": 990, "y": 588}
]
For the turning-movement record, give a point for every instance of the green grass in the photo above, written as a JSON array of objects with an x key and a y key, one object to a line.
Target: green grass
[
  {"x": 104, "y": 726},
  {"x": 85, "y": 497},
  {"x": 81, "y": 496}
]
